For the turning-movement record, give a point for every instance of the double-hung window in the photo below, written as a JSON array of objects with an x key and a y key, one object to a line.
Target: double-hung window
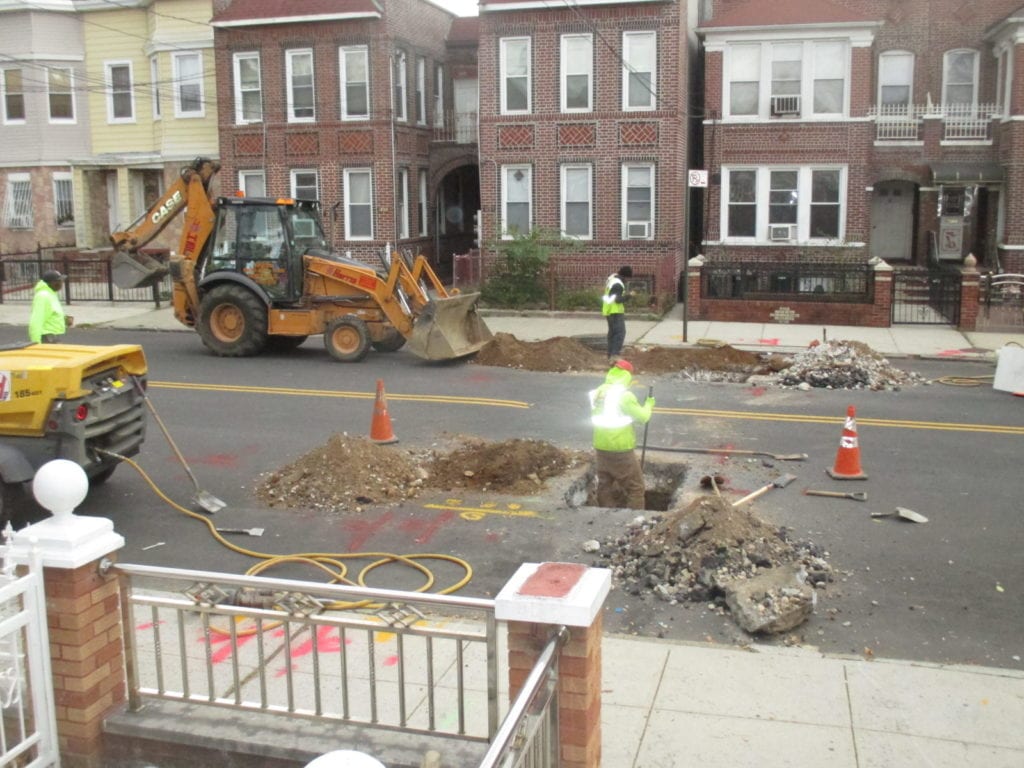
[
  {"x": 14, "y": 96},
  {"x": 154, "y": 86},
  {"x": 120, "y": 94},
  {"x": 18, "y": 206},
  {"x": 515, "y": 75},
  {"x": 577, "y": 73},
  {"x": 60, "y": 84},
  {"x": 638, "y": 201},
  {"x": 785, "y": 204},
  {"x": 421, "y": 91},
  {"x": 787, "y": 76},
  {"x": 516, "y": 200},
  {"x": 896, "y": 80},
  {"x": 301, "y": 103},
  {"x": 400, "y": 91},
  {"x": 304, "y": 184},
  {"x": 188, "y": 84},
  {"x": 355, "y": 82},
  {"x": 358, "y": 192},
  {"x": 828, "y": 91},
  {"x": 577, "y": 203},
  {"x": 639, "y": 70},
  {"x": 422, "y": 193},
  {"x": 63, "y": 200},
  {"x": 439, "y": 97},
  {"x": 402, "y": 202},
  {"x": 248, "y": 88},
  {"x": 744, "y": 79},
  {"x": 960, "y": 77},
  {"x": 252, "y": 183}
]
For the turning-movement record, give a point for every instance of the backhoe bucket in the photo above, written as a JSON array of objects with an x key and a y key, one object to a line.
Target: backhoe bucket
[
  {"x": 138, "y": 271},
  {"x": 449, "y": 328}
]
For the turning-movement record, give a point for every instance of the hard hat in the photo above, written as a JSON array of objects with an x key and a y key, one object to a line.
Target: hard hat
[
  {"x": 624, "y": 365},
  {"x": 52, "y": 276}
]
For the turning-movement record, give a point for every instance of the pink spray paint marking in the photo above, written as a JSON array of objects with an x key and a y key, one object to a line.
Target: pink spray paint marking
[
  {"x": 148, "y": 625},
  {"x": 363, "y": 530},
  {"x": 757, "y": 391},
  {"x": 427, "y": 528},
  {"x": 769, "y": 342},
  {"x": 390, "y": 661}
]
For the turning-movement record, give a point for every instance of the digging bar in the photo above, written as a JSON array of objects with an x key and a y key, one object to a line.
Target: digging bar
[
  {"x": 780, "y": 482},
  {"x": 855, "y": 495},
  {"x": 729, "y": 452},
  {"x": 246, "y": 531}
]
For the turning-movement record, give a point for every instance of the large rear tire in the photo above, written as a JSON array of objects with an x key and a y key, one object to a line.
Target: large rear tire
[
  {"x": 392, "y": 342},
  {"x": 233, "y": 321},
  {"x": 347, "y": 339}
]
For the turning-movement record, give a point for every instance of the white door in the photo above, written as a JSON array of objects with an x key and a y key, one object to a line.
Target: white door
[
  {"x": 466, "y": 104},
  {"x": 892, "y": 220}
]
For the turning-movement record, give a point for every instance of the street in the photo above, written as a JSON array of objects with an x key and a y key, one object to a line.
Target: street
[{"x": 949, "y": 590}]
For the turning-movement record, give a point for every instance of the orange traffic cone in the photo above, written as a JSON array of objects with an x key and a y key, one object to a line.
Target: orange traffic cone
[
  {"x": 380, "y": 427},
  {"x": 847, "y": 466}
]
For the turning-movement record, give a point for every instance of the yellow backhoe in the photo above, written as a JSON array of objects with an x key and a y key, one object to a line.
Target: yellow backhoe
[{"x": 257, "y": 273}]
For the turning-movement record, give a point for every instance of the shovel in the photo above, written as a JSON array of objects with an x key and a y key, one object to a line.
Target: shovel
[
  {"x": 246, "y": 531},
  {"x": 780, "y": 482},
  {"x": 855, "y": 495},
  {"x": 204, "y": 499},
  {"x": 731, "y": 452}
]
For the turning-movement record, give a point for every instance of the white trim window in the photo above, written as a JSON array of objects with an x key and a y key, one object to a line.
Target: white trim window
[
  {"x": 638, "y": 201},
  {"x": 515, "y": 75},
  {"x": 358, "y": 192},
  {"x": 252, "y": 183},
  {"x": 120, "y": 93},
  {"x": 187, "y": 71},
  {"x": 577, "y": 195},
  {"x": 304, "y": 184},
  {"x": 784, "y": 204},
  {"x": 400, "y": 77},
  {"x": 516, "y": 200},
  {"x": 13, "y": 96},
  {"x": 154, "y": 86},
  {"x": 805, "y": 79},
  {"x": 354, "y": 61},
  {"x": 960, "y": 77},
  {"x": 439, "y": 97},
  {"x": 639, "y": 71},
  {"x": 896, "y": 79},
  {"x": 577, "y": 80},
  {"x": 61, "y": 89},
  {"x": 63, "y": 200},
  {"x": 1004, "y": 79},
  {"x": 299, "y": 72},
  {"x": 18, "y": 205},
  {"x": 248, "y": 88},
  {"x": 421, "y": 91},
  {"x": 402, "y": 202},
  {"x": 423, "y": 209}
]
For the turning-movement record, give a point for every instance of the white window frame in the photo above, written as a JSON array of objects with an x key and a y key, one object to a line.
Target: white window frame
[
  {"x": 347, "y": 175},
  {"x": 439, "y": 96},
  {"x": 241, "y": 90},
  {"x": 892, "y": 80},
  {"x": 504, "y": 75},
  {"x": 63, "y": 180},
  {"x": 423, "y": 208},
  {"x": 652, "y": 181},
  {"x": 154, "y": 87},
  {"x": 8, "y": 120},
  {"x": 344, "y": 52},
  {"x": 421, "y": 91},
  {"x": 762, "y": 196},
  {"x": 108, "y": 69},
  {"x": 563, "y": 196},
  {"x": 13, "y": 219},
  {"x": 244, "y": 178},
  {"x": 631, "y": 66},
  {"x": 505, "y": 171},
  {"x": 974, "y": 77},
  {"x": 582, "y": 66},
  {"x": 290, "y": 57},
  {"x": 400, "y": 94},
  {"x": 71, "y": 93},
  {"x": 293, "y": 183},
  {"x": 402, "y": 202},
  {"x": 179, "y": 79}
]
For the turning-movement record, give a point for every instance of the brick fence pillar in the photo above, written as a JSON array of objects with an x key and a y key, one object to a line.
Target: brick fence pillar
[
  {"x": 84, "y": 624},
  {"x": 538, "y": 600},
  {"x": 970, "y": 294},
  {"x": 881, "y": 315},
  {"x": 693, "y": 308}
]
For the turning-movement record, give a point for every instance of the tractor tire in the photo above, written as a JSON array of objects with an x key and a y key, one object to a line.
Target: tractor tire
[
  {"x": 347, "y": 339},
  {"x": 392, "y": 342},
  {"x": 233, "y": 322},
  {"x": 277, "y": 343}
]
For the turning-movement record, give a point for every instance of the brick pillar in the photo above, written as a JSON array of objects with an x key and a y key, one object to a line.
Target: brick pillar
[
  {"x": 693, "y": 307},
  {"x": 536, "y": 602},
  {"x": 970, "y": 294},
  {"x": 881, "y": 314}
]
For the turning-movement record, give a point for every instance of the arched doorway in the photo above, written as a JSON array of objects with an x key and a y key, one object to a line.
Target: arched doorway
[{"x": 458, "y": 200}]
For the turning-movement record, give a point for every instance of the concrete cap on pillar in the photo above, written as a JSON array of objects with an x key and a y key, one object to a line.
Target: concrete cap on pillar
[{"x": 554, "y": 593}]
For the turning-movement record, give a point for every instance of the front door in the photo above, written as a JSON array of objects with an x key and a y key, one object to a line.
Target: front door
[{"x": 892, "y": 221}]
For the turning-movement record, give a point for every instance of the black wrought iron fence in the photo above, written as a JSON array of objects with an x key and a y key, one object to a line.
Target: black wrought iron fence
[
  {"x": 813, "y": 281},
  {"x": 88, "y": 279}
]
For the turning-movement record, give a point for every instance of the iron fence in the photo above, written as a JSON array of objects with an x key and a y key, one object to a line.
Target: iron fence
[
  {"x": 926, "y": 298},
  {"x": 88, "y": 279},
  {"x": 1002, "y": 302},
  {"x": 836, "y": 282}
]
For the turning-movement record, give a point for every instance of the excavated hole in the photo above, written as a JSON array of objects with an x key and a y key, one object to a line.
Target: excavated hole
[{"x": 663, "y": 487}]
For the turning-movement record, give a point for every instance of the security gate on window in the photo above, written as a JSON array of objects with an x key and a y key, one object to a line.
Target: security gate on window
[{"x": 926, "y": 298}]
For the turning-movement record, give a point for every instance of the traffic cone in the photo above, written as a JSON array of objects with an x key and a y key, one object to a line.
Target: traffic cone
[
  {"x": 380, "y": 427},
  {"x": 847, "y": 465}
]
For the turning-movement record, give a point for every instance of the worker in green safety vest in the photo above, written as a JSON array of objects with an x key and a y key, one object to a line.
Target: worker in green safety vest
[{"x": 614, "y": 310}]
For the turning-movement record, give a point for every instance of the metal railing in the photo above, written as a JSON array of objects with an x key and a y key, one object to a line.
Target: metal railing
[
  {"x": 459, "y": 127},
  {"x": 88, "y": 279},
  {"x": 796, "y": 281},
  {"x": 1002, "y": 302},
  {"x": 961, "y": 122}
]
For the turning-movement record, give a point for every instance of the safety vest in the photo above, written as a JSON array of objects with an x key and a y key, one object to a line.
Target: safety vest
[
  {"x": 613, "y": 427},
  {"x": 610, "y": 305}
]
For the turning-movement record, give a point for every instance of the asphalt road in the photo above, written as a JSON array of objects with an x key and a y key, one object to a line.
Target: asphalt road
[{"x": 946, "y": 591}]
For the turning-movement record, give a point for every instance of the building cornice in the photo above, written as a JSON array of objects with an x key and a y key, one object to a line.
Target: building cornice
[
  {"x": 234, "y": 23},
  {"x": 546, "y": 5}
]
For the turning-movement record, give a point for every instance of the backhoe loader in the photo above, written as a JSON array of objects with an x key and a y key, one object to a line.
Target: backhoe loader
[{"x": 257, "y": 273}]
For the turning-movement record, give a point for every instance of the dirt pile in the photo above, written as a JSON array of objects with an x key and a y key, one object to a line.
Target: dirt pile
[
  {"x": 844, "y": 365},
  {"x": 351, "y": 472}
]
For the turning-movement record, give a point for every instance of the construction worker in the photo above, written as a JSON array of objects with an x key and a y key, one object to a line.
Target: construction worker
[
  {"x": 614, "y": 310},
  {"x": 48, "y": 323},
  {"x": 613, "y": 411}
]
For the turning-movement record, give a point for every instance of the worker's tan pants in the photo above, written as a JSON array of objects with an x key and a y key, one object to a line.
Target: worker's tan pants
[{"x": 620, "y": 480}]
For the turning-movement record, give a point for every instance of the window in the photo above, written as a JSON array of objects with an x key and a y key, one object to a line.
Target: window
[
  {"x": 248, "y": 88},
  {"x": 787, "y": 69},
  {"x": 424, "y": 229},
  {"x": 300, "y": 86},
  {"x": 577, "y": 72},
  {"x": 355, "y": 83},
  {"x": 516, "y": 200},
  {"x": 515, "y": 75},
  {"x": 14, "y": 96},
  {"x": 358, "y": 191},
  {"x": 784, "y": 204},
  {"x": 120, "y": 96},
  {"x": 637, "y": 201},
  {"x": 399, "y": 97},
  {"x": 896, "y": 78},
  {"x": 188, "y": 84},
  {"x": 639, "y": 70},
  {"x": 744, "y": 79},
  {"x": 421, "y": 91},
  {"x": 960, "y": 77},
  {"x": 62, "y": 99},
  {"x": 402, "y": 202},
  {"x": 439, "y": 97},
  {"x": 304, "y": 185},
  {"x": 576, "y": 201},
  {"x": 154, "y": 86},
  {"x": 252, "y": 183},
  {"x": 18, "y": 207},
  {"x": 63, "y": 200},
  {"x": 829, "y": 88}
]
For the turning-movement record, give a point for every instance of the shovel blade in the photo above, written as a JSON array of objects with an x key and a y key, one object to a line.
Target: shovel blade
[{"x": 208, "y": 502}]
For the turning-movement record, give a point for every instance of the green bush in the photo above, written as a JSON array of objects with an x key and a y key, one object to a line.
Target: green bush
[
  {"x": 581, "y": 299},
  {"x": 517, "y": 279}
]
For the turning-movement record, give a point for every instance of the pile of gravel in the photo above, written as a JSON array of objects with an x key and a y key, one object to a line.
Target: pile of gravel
[{"x": 844, "y": 365}]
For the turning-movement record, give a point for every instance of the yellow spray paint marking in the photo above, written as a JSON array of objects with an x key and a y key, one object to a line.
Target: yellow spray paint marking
[{"x": 474, "y": 514}]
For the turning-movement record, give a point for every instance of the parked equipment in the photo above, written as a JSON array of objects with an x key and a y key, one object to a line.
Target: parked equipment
[
  {"x": 855, "y": 495},
  {"x": 257, "y": 273}
]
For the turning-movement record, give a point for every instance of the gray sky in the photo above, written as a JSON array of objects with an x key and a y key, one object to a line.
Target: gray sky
[{"x": 460, "y": 7}]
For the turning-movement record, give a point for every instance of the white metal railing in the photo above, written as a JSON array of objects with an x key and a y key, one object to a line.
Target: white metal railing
[
  {"x": 961, "y": 122},
  {"x": 968, "y": 122},
  {"x": 459, "y": 127}
]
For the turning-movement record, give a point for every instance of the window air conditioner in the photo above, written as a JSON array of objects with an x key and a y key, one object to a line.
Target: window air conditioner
[
  {"x": 781, "y": 232},
  {"x": 786, "y": 105},
  {"x": 638, "y": 230}
]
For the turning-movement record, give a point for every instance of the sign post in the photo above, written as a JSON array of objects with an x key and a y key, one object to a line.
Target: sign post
[{"x": 695, "y": 177}]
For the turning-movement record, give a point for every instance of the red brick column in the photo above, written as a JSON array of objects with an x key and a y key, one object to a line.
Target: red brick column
[
  {"x": 970, "y": 294},
  {"x": 693, "y": 307},
  {"x": 881, "y": 313}
]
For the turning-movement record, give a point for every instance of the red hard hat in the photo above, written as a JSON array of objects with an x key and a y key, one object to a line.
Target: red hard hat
[{"x": 624, "y": 365}]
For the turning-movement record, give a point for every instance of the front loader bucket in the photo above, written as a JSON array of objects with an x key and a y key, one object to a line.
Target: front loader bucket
[
  {"x": 138, "y": 271},
  {"x": 449, "y": 328}
]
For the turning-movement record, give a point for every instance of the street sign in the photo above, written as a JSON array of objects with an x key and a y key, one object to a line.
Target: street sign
[{"x": 698, "y": 178}]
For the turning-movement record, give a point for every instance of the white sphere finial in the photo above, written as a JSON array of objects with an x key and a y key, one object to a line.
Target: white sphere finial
[
  {"x": 345, "y": 758},
  {"x": 60, "y": 486}
]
